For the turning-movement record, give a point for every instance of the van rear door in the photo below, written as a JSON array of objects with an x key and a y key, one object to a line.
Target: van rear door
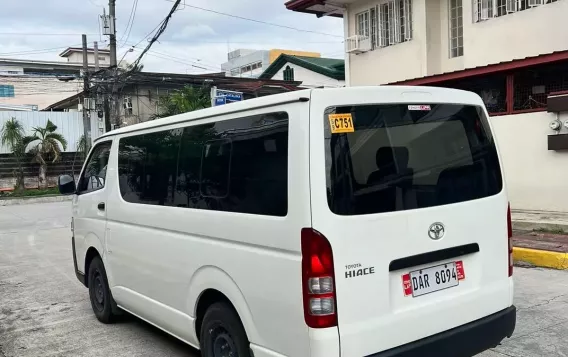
[{"x": 407, "y": 188}]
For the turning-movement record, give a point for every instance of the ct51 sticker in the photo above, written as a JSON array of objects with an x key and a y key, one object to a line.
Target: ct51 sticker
[{"x": 341, "y": 123}]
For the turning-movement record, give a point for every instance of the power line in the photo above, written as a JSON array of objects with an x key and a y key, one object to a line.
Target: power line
[
  {"x": 44, "y": 50},
  {"x": 94, "y": 4},
  {"x": 258, "y": 21},
  {"x": 42, "y": 34},
  {"x": 159, "y": 32},
  {"x": 39, "y": 50},
  {"x": 130, "y": 23}
]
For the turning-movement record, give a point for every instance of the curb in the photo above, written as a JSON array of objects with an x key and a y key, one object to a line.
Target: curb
[
  {"x": 535, "y": 226},
  {"x": 30, "y": 200},
  {"x": 541, "y": 258}
]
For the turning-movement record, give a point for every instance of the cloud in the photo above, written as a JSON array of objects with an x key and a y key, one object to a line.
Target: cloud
[
  {"x": 193, "y": 31},
  {"x": 194, "y": 37}
]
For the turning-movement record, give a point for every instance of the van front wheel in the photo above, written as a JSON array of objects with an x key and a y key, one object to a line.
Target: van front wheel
[
  {"x": 222, "y": 333},
  {"x": 103, "y": 304}
]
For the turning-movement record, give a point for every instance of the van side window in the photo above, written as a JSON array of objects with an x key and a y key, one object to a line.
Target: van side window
[
  {"x": 94, "y": 175},
  {"x": 147, "y": 167},
  {"x": 238, "y": 165}
]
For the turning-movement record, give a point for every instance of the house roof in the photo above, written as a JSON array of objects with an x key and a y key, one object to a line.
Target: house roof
[
  {"x": 488, "y": 69},
  {"x": 42, "y": 64},
  {"x": 250, "y": 86},
  {"x": 317, "y": 7},
  {"x": 330, "y": 67},
  {"x": 68, "y": 51}
]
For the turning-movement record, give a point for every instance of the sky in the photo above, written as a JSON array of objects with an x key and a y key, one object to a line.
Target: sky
[{"x": 196, "y": 40}]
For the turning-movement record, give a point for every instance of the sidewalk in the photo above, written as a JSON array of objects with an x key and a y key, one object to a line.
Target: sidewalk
[{"x": 540, "y": 238}]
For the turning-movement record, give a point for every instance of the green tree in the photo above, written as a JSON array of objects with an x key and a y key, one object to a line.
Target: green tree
[
  {"x": 12, "y": 136},
  {"x": 46, "y": 145},
  {"x": 184, "y": 100}
]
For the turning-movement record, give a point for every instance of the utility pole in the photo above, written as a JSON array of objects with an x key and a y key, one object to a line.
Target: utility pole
[
  {"x": 112, "y": 13},
  {"x": 86, "y": 98},
  {"x": 96, "y": 48},
  {"x": 109, "y": 29}
]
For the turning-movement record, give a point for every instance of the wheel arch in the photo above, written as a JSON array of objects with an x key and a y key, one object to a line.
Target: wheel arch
[{"x": 211, "y": 284}]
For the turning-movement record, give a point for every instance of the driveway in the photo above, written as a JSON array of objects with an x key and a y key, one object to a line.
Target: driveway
[{"x": 45, "y": 311}]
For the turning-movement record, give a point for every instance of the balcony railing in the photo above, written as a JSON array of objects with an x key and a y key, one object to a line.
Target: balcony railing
[{"x": 357, "y": 44}]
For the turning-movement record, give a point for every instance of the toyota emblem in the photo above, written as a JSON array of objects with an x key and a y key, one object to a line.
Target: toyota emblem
[{"x": 436, "y": 231}]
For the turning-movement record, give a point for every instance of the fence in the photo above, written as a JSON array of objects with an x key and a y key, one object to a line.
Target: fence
[{"x": 69, "y": 124}]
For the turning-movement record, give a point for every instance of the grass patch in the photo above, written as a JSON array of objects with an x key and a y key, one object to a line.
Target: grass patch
[
  {"x": 30, "y": 193},
  {"x": 556, "y": 230}
]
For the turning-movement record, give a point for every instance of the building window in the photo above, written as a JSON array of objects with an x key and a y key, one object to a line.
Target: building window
[
  {"x": 394, "y": 22},
  {"x": 456, "y": 28},
  {"x": 289, "y": 74},
  {"x": 7, "y": 91},
  {"x": 127, "y": 103},
  {"x": 486, "y": 9},
  {"x": 363, "y": 23},
  {"x": 102, "y": 58}
]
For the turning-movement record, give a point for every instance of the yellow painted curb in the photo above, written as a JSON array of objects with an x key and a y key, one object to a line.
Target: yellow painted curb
[{"x": 541, "y": 258}]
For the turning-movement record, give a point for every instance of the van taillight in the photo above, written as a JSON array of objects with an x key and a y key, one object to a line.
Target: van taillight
[
  {"x": 318, "y": 285},
  {"x": 510, "y": 239}
]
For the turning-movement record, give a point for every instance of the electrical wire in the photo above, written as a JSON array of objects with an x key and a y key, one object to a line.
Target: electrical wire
[
  {"x": 130, "y": 23},
  {"x": 43, "y": 50},
  {"x": 258, "y": 21},
  {"x": 159, "y": 32},
  {"x": 44, "y": 34}
]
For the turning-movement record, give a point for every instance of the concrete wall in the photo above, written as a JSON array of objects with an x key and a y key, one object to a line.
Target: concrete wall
[
  {"x": 522, "y": 34},
  {"x": 536, "y": 177},
  {"x": 238, "y": 62},
  {"x": 518, "y": 35},
  {"x": 275, "y": 53},
  {"x": 70, "y": 125},
  {"x": 388, "y": 64},
  {"x": 38, "y": 90},
  {"x": 77, "y": 57},
  {"x": 309, "y": 79}
]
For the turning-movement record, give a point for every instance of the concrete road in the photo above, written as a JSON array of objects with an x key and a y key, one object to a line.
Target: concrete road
[{"x": 45, "y": 311}]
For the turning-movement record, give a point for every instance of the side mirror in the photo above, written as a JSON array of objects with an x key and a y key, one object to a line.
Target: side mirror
[{"x": 66, "y": 185}]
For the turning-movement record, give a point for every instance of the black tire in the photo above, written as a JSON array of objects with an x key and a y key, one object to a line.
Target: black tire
[
  {"x": 222, "y": 333},
  {"x": 103, "y": 304}
]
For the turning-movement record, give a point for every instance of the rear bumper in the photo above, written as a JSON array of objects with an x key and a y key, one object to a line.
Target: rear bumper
[{"x": 463, "y": 341}]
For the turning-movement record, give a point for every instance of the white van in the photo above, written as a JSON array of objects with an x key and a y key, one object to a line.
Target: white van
[{"x": 369, "y": 221}]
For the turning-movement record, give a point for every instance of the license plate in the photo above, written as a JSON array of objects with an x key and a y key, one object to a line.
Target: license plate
[{"x": 428, "y": 280}]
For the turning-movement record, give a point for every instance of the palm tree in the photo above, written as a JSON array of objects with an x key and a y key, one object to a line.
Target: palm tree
[
  {"x": 45, "y": 144},
  {"x": 12, "y": 135},
  {"x": 184, "y": 100}
]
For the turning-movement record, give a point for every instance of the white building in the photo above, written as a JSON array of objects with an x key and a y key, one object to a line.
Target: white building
[
  {"x": 514, "y": 53},
  {"x": 251, "y": 63},
  {"x": 37, "y": 84},
  {"x": 313, "y": 72}
]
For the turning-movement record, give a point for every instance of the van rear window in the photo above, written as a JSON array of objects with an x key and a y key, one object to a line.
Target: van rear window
[{"x": 400, "y": 157}]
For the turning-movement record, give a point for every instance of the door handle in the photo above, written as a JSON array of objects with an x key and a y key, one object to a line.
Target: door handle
[{"x": 101, "y": 206}]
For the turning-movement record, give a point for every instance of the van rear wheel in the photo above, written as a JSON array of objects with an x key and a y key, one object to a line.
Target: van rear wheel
[
  {"x": 222, "y": 333},
  {"x": 103, "y": 304}
]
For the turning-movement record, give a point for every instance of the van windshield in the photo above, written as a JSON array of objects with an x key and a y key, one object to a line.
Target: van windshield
[{"x": 384, "y": 158}]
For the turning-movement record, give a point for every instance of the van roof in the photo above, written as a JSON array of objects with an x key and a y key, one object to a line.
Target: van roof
[{"x": 290, "y": 97}]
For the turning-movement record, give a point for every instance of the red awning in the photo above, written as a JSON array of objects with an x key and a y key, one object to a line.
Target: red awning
[{"x": 489, "y": 69}]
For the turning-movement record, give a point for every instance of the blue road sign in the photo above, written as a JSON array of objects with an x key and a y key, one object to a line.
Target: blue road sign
[
  {"x": 230, "y": 95},
  {"x": 220, "y": 100}
]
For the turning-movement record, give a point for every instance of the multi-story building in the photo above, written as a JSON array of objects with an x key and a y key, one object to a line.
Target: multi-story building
[
  {"x": 513, "y": 53},
  {"x": 251, "y": 63},
  {"x": 36, "y": 84}
]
